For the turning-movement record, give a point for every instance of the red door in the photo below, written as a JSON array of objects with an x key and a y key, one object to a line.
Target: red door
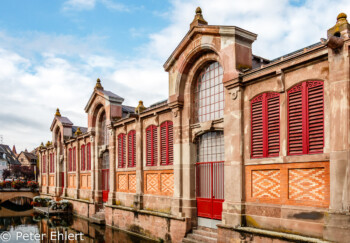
[
  {"x": 105, "y": 185},
  {"x": 210, "y": 189},
  {"x": 62, "y": 182}
]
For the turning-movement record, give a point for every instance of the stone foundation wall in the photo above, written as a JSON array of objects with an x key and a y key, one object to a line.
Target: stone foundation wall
[
  {"x": 125, "y": 199},
  {"x": 151, "y": 224},
  {"x": 85, "y": 194},
  {"x": 157, "y": 203},
  {"x": 71, "y": 192}
]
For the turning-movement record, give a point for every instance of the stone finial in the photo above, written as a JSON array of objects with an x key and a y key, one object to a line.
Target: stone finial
[
  {"x": 140, "y": 108},
  {"x": 198, "y": 19},
  {"x": 41, "y": 145},
  {"x": 339, "y": 29},
  {"x": 98, "y": 84},
  {"x": 57, "y": 112},
  {"x": 48, "y": 143},
  {"x": 78, "y": 132}
]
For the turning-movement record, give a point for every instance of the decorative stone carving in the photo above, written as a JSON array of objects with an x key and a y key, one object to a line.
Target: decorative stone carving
[
  {"x": 234, "y": 93},
  {"x": 280, "y": 80}
]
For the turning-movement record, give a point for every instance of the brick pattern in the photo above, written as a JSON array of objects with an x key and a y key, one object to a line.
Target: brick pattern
[
  {"x": 291, "y": 183},
  {"x": 307, "y": 184},
  {"x": 266, "y": 184},
  {"x": 126, "y": 181},
  {"x": 159, "y": 182}
]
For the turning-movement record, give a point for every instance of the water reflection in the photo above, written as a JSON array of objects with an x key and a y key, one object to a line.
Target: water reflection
[{"x": 36, "y": 228}]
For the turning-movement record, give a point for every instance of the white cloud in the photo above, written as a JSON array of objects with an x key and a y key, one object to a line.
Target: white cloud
[
  {"x": 40, "y": 72},
  {"x": 79, "y": 5}
]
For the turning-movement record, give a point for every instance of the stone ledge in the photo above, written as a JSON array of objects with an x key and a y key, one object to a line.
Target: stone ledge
[
  {"x": 77, "y": 200},
  {"x": 142, "y": 211},
  {"x": 274, "y": 234}
]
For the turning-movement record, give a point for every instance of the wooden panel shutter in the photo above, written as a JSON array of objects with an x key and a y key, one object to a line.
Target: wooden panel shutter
[
  {"x": 121, "y": 151},
  {"x": 151, "y": 145},
  {"x": 132, "y": 148},
  {"x": 88, "y": 156},
  {"x": 306, "y": 118},
  {"x": 82, "y": 157},
  {"x": 166, "y": 143}
]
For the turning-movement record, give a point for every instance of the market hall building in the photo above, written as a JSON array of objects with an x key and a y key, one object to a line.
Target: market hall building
[{"x": 242, "y": 144}]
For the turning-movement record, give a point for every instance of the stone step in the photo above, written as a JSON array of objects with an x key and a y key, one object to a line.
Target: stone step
[
  {"x": 207, "y": 229},
  {"x": 205, "y": 233},
  {"x": 202, "y": 238},
  {"x": 187, "y": 240}
]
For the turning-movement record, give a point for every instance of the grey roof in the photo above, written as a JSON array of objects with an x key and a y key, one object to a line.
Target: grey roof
[
  {"x": 64, "y": 120},
  {"x": 157, "y": 104},
  {"x": 10, "y": 156},
  {"x": 111, "y": 94}
]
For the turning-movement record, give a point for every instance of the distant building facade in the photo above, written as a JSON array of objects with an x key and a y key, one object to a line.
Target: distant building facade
[
  {"x": 242, "y": 142},
  {"x": 7, "y": 158},
  {"x": 27, "y": 158}
]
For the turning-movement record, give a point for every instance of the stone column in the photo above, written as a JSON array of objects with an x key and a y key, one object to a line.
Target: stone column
[
  {"x": 138, "y": 200},
  {"x": 78, "y": 169},
  {"x": 234, "y": 167},
  {"x": 92, "y": 171},
  {"x": 57, "y": 170},
  {"x": 65, "y": 171},
  {"x": 177, "y": 126},
  {"x": 112, "y": 165}
]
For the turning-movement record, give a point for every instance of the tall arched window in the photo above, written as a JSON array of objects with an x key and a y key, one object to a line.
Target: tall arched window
[
  {"x": 151, "y": 145},
  {"x": 209, "y": 94},
  {"x": 132, "y": 148},
  {"x": 82, "y": 158},
  {"x": 104, "y": 139},
  {"x": 44, "y": 164}
]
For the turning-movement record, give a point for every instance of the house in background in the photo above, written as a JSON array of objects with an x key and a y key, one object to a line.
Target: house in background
[
  {"x": 27, "y": 158},
  {"x": 7, "y": 158}
]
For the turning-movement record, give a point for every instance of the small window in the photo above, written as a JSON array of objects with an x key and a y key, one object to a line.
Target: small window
[
  {"x": 151, "y": 146},
  {"x": 121, "y": 151},
  {"x": 132, "y": 148},
  {"x": 166, "y": 143}
]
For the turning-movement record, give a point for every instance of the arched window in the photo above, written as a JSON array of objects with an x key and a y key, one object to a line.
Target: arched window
[
  {"x": 166, "y": 143},
  {"x": 83, "y": 162},
  {"x": 265, "y": 125},
  {"x": 121, "y": 150},
  {"x": 104, "y": 139},
  {"x": 132, "y": 148},
  {"x": 151, "y": 145},
  {"x": 306, "y": 118},
  {"x": 209, "y": 94}
]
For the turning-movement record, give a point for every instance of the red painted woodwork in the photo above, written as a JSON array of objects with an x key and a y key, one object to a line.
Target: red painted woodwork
[
  {"x": 121, "y": 150},
  {"x": 132, "y": 148},
  {"x": 62, "y": 182},
  {"x": 151, "y": 145},
  {"x": 52, "y": 167},
  {"x": 166, "y": 143},
  {"x": 210, "y": 189},
  {"x": 83, "y": 163},
  {"x": 44, "y": 164},
  {"x": 74, "y": 159},
  {"x": 265, "y": 125},
  {"x": 105, "y": 184},
  {"x": 88, "y": 152},
  {"x": 70, "y": 160},
  {"x": 209, "y": 94},
  {"x": 306, "y": 118}
]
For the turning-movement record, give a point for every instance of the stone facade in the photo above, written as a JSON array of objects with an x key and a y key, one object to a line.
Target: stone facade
[{"x": 296, "y": 187}]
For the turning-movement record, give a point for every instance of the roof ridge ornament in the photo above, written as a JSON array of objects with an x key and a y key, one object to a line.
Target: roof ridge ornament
[
  {"x": 98, "y": 84},
  {"x": 57, "y": 112},
  {"x": 198, "y": 19},
  {"x": 140, "y": 108},
  {"x": 78, "y": 132}
]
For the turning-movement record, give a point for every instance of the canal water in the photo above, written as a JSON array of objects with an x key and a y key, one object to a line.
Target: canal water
[{"x": 24, "y": 225}]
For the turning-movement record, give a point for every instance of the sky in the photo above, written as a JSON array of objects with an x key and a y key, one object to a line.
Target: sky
[{"x": 52, "y": 52}]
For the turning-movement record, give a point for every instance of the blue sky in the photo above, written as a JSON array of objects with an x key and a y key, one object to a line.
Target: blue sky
[{"x": 52, "y": 52}]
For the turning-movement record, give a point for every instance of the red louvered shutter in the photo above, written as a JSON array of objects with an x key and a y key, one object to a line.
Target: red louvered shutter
[
  {"x": 131, "y": 148},
  {"x": 166, "y": 145},
  {"x": 273, "y": 124},
  {"x": 295, "y": 120},
  {"x": 121, "y": 151},
  {"x": 88, "y": 151},
  {"x": 44, "y": 164},
  {"x": 265, "y": 124},
  {"x": 70, "y": 160},
  {"x": 305, "y": 118},
  {"x": 257, "y": 127},
  {"x": 74, "y": 159},
  {"x": 315, "y": 116},
  {"x": 82, "y": 157},
  {"x": 151, "y": 145}
]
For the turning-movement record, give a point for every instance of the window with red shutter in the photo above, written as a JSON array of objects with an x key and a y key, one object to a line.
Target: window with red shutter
[
  {"x": 306, "y": 118},
  {"x": 82, "y": 158},
  {"x": 132, "y": 148},
  {"x": 88, "y": 152},
  {"x": 166, "y": 143},
  {"x": 52, "y": 167},
  {"x": 44, "y": 164},
  {"x": 121, "y": 151},
  {"x": 70, "y": 160},
  {"x": 74, "y": 159},
  {"x": 265, "y": 125},
  {"x": 151, "y": 145}
]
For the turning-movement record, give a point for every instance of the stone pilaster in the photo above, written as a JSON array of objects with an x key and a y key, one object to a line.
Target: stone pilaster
[
  {"x": 233, "y": 135},
  {"x": 112, "y": 166},
  {"x": 78, "y": 169},
  {"x": 138, "y": 200}
]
